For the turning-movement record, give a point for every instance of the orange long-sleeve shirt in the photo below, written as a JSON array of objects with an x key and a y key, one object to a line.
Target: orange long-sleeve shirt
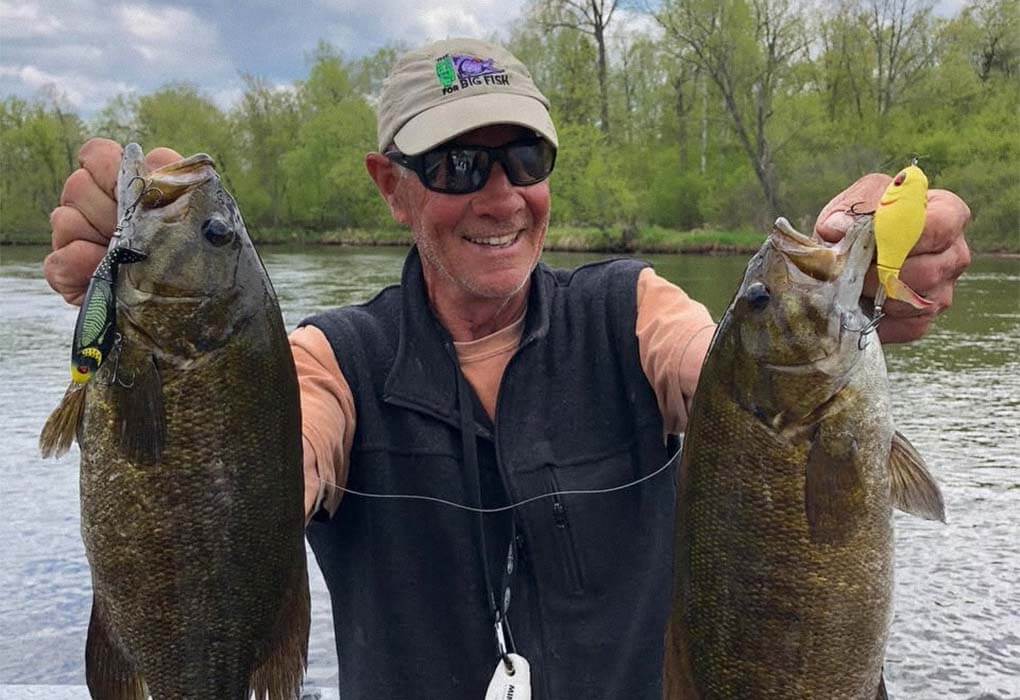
[{"x": 673, "y": 333}]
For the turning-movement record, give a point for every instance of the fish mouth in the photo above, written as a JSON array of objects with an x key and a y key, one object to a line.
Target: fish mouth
[
  {"x": 811, "y": 255},
  {"x": 134, "y": 293}
]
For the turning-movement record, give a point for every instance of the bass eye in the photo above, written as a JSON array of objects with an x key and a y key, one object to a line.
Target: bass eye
[
  {"x": 217, "y": 232},
  {"x": 757, "y": 296}
]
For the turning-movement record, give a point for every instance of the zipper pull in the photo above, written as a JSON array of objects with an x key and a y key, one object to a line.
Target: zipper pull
[{"x": 559, "y": 513}]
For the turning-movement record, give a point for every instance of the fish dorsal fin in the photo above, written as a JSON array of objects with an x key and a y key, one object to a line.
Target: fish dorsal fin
[
  {"x": 129, "y": 186},
  {"x": 914, "y": 489},
  {"x": 167, "y": 184}
]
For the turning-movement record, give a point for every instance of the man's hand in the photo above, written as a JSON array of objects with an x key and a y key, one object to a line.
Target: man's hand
[
  {"x": 84, "y": 221},
  {"x": 932, "y": 267}
]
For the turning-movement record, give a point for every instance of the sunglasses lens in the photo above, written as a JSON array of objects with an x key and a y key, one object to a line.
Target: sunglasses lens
[
  {"x": 529, "y": 162},
  {"x": 464, "y": 169},
  {"x": 456, "y": 169}
]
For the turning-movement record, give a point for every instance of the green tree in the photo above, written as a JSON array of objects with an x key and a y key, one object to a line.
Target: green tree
[
  {"x": 265, "y": 120},
  {"x": 747, "y": 48},
  {"x": 337, "y": 128},
  {"x": 38, "y": 143}
]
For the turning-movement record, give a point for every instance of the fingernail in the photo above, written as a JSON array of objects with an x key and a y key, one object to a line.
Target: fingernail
[{"x": 838, "y": 221}]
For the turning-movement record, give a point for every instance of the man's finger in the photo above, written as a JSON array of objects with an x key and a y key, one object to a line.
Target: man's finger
[
  {"x": 83, "y": 193},
  {"x": 68, "y": 224},
  {"x": 903, "y": 323},
  {"x": 101, "y": 158},
  {"x": 158, "y": 157},
  {"x": 68, "y": 270},
  {"x": 928, "y": 271},
  {"x": 863, "y": 196},
  {"x": 945, "y": 219}
]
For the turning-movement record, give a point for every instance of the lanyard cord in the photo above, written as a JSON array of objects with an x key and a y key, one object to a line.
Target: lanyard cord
[{"x": 469, "y": 446}]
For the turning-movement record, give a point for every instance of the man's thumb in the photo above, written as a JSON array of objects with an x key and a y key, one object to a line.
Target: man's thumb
[{"x": 861, "y": 197}]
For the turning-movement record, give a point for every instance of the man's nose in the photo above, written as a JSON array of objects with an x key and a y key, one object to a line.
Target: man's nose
[{"x": 499, "y": 198}]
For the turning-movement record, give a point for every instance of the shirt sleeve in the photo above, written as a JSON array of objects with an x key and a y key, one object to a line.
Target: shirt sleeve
[
  {"x": 327, "y": 418},
  {"x": 674, "y": 333}
]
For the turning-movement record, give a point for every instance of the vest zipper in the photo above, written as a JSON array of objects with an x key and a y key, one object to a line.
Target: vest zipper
[{"x": 565, "y": 538}]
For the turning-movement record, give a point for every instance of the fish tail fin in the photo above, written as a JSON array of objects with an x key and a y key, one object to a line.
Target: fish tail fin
[
  {"x": 896, "y": 289},
  {"x": 62, "y": 425},
  {"x": 280, "y": 673},
  {"x": 108, "y": 673},
  {"x": 914, "y": 489},
  {"x": 881, "y": 694}
]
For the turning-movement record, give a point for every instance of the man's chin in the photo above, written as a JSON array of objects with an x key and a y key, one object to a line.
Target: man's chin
[{"x": 495, "y": 287}]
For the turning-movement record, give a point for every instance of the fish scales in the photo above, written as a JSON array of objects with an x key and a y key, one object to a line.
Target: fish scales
[
  {"x": 194, "y": 532},
  {"x": 784, "y": 589}
]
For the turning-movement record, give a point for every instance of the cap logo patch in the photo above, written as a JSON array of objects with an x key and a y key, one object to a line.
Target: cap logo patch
[{"x": 462, "y": 71}]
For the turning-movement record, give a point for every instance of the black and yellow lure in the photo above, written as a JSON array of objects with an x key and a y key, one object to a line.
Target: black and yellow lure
[
  {"x": 95, "y": 334},
  {"x": 96, "y": 328}
]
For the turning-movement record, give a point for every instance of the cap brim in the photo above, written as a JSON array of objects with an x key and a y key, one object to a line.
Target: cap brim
[{"x": 444, "y": 122}]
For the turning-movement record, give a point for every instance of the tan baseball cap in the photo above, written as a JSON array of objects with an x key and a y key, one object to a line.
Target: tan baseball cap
[{"x": 452, "y": 86}]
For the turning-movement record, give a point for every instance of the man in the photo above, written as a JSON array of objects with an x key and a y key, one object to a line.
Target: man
[{"x": 486, "y": 379}]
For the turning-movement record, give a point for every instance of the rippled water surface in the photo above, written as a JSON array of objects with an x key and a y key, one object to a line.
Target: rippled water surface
[{"x": 956, "y": 633}]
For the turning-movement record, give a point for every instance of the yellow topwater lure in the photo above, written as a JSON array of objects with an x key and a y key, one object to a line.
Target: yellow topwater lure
[{"x": 899, "y": 222}]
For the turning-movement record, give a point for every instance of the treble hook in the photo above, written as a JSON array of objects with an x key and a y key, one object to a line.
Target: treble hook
[
  {"x": 118, "y": 343},
  {"x": 130, "y": 209},
  {"x": 862, "y": 340},
  {"x": 854, "y": 212}
]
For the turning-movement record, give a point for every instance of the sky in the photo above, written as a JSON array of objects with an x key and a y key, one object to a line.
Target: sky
[
  {"x": 90, "y": 51},
  {"x": 93, "y": 50}
]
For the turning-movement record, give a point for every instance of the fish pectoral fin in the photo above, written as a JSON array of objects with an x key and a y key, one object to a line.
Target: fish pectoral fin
[
  {"x": 108, "y": 673},
  {"x": 62, "y": 426},
  {"x": 896, "y": 289},
  {"x": 142, "y": 419},
  {"x": 832, "y": 487},
  {"x": 914, "y": 489}
]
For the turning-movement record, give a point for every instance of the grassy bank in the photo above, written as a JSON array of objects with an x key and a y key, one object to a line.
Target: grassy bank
[{"x": 568, "y": 238}]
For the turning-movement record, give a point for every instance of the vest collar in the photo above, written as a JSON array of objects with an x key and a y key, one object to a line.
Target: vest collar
[{"x": 424, "y": 372}]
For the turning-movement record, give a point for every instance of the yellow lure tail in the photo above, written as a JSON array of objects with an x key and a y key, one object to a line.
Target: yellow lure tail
[{"x": 899, "y": 222}]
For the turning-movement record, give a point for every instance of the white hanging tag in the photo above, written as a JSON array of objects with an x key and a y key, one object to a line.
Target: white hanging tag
[{"x": 505, "y": 686}]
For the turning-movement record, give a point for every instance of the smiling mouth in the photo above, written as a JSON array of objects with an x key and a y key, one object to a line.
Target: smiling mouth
[{"x": 495, "y": 241}]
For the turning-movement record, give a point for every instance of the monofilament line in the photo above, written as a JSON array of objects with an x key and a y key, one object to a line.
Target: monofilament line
[{"x": 473, "y": 509}]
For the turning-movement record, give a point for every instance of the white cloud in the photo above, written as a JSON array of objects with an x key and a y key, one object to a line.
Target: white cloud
[
  {"x": 76, "y": 88},
  {"x": 26, "y": 20},
  {"x": 91, "y": 50},
  {"x": 449, "y": 20},
  {"x": 173, "y": 42}
]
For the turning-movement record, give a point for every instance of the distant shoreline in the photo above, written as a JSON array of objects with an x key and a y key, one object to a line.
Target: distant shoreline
[{"x": 572, "y": 239}]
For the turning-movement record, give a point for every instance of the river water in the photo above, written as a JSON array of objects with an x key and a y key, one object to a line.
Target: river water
[{"x": 956, "y": 633}]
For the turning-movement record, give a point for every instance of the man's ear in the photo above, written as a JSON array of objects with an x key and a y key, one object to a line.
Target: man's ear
[{"x": 386, "y": 177}]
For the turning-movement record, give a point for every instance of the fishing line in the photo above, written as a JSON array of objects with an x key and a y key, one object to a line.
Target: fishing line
[{"x": 501, "y": 509}]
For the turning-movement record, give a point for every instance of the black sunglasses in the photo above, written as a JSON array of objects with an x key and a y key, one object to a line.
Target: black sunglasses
[{"x": 462, "y": 169}]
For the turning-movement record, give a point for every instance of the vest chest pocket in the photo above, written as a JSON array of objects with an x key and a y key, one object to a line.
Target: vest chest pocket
[
  {"x": 602, "y": 540},
  {"x": 569, "y": 556}
]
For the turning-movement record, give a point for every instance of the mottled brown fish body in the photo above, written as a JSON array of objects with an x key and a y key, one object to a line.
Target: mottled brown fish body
[
  {"x": 194, "y": 530},
  {"x": 784, "y": 541}
]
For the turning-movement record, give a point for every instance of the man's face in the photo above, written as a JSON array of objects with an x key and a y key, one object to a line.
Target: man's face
[{"x": 481, "y": 245}]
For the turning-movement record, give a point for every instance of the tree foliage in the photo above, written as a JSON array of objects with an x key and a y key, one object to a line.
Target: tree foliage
[{"x": 703, "y": 113}]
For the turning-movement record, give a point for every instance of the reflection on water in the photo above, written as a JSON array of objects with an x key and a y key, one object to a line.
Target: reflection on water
[{"x": 956, "y": 397}]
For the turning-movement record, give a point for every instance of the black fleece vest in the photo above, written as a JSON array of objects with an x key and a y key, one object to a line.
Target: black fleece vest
[{"x": 591, "y": 592}]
